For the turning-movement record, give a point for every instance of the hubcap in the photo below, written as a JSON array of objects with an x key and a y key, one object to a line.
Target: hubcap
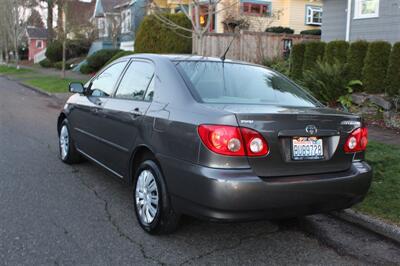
[
  {"x": 147, "y": 197},
  {"x": 64, "y": 142}
]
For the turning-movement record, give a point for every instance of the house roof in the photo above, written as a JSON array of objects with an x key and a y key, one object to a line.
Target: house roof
[
  {"x": 84, "y": 9},
  {"x": 107, "y": 6},
  {"x": 36, "y": 33}
]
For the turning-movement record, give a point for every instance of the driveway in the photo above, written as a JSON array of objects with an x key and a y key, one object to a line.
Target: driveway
[{"x": 51, "y": 213}]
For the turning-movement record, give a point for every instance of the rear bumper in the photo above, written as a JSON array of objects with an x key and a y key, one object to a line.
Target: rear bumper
[{"x": 222, "y": 194}]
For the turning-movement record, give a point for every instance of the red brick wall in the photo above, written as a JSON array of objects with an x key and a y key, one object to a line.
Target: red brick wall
[{"x": 32, "y": 47}]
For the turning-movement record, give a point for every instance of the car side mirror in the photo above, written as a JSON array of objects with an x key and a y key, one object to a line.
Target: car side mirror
[{"x": 76, "y": 87}]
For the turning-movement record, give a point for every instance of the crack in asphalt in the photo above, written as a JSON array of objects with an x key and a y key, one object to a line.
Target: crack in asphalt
[
  {"x": 231, "y": 247},
  {"x": 113, "y": 223}
]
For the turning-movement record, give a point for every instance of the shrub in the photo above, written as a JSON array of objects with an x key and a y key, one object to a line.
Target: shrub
[
  {"x": 54, "y": 51},
  {"x": 86, "y": 69},
  {"x": 325, "y": 81},
  {"x": 313, "y": 52},
  {"x": 336, "y": 50},
  {"x": 119, "y": 55},
  {"x": 311, "y": 32},
  {"x": 296, "y": 61},
  {"x": 375, "y": 66},
  {"x": 355, "y": 59},
  {"x": 154, "y": 37},
  {"x": 393, "y": 73},
  {"x": 280, "y": 29},
  {"x": 46, "y": 63},
  {"x": 58, "y": 65},
  {"x": 97, "y": 60}
]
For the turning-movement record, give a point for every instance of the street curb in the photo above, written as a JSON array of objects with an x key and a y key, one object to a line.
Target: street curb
[
  {"x": 35, "y": 89},
  {"x": 371, "y": 223}
]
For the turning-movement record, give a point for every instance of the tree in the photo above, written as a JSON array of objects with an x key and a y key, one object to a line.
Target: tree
[
  {"x": 35, "y": 19},
  {"x": 200, "y": 14}
]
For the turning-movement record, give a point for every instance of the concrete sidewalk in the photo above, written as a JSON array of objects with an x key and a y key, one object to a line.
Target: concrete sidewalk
[{"x": 384, "y": 135}]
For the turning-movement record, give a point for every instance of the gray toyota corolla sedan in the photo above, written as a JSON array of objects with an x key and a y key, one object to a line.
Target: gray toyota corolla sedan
[{"x": 221, "y": 140}]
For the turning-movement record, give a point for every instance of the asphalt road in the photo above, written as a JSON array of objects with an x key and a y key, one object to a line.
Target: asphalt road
[{"x": 52, "y": 213}]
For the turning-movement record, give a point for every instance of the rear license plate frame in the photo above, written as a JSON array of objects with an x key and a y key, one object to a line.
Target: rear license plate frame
[{"x": 314, "y": 153}]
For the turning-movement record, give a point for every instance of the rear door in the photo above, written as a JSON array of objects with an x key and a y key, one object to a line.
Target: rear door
[{"x": 124, "y": 113}]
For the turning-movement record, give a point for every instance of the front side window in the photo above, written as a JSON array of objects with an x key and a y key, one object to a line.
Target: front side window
[
  {"x": 231, "y": 83},
  {"x": 103, "y": 84},
  {"x": 136, "y": 80},
  {"x": 256, "y": 8},
  {"x": 366, "y": 9},
  {"x": 314, "y": 15}
]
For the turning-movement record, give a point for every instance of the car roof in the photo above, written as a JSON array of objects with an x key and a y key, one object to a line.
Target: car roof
[{"x": 183, "y": 57}]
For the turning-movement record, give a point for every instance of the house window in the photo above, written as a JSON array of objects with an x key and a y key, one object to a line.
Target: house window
[
  {"x": 256, "y": 8},
  {"x": 39, "y": 44},
  {"x": 366, "y": 9},
  {"x": 314, "y": 15},
  {"x": 126, "y": 21},
  {"x": 102, "y": 27}
]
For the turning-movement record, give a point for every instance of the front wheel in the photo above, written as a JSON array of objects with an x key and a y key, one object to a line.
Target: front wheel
[
  {"x": 152, "y": 205},
  {"x": 68, "y": 152}
]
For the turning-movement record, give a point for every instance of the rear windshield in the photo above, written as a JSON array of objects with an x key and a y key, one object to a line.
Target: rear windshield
[{"x": 232, "y": 83}]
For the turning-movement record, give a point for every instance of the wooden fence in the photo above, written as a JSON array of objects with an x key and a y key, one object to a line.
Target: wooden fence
[{"x": 251, "y": 46}]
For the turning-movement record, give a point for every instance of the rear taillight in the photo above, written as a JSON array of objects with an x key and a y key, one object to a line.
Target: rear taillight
[
  {"x": 233, "y": 141},
  {"x": 357, "y": 140}
]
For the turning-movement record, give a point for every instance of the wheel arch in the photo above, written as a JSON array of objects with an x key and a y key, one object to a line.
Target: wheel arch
[
  {"x": 60, "y": 119},
  {"x": 141, "y": 152}
]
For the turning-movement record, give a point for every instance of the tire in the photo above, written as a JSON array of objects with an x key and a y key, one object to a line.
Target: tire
[
  {"x": 150, "y": 192},
  {"x": 67, "y": 150}
]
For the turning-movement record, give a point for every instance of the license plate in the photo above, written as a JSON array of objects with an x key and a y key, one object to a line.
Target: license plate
[{"x": 307, "y": 148}]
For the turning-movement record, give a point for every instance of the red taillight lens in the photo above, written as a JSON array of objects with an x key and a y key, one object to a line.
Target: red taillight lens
[
  {"x": 357, "y": 140},
  {"x": 233, "y": 141}
]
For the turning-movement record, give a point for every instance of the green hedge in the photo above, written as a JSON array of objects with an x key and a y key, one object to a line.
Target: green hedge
[
  {"x": 74, "y": 48},
  {"x": 119, "y": 55},
  {"x": 46, "y": 63},
  {"x": 280, "y": 29},
  {"x": 154, "y": 37},
  {"x": 313, "y": 52},
  {"x": 311, "y": 32},
  {"x": 336, "y": 51},
  {"x": 296, "y": 61},
  {"x": 393, "y": 73},
  {"x": 375, "y": 66},
  {"x": 54, "y": 51},
  {"x": 355, "y": 59},
  {"x": 97, "y": 60}
]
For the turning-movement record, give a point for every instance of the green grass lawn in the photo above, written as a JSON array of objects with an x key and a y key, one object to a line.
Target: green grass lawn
[
  {"x": 383, "y": 199},
  {"x": 50, "y": 84},
  {"x": 13, "y": 70}
]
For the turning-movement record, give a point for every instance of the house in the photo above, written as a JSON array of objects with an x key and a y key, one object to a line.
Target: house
[
  {"x": 298, "y": 15},
  {"x": 117, "y": 22},
  {"x": 370, "y": 20},
  {"x": 79, "y": 25},
  {"x": 37, "y": 40}
]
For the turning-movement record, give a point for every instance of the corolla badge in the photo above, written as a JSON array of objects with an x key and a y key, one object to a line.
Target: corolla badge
[{"x": 311, "y": 129}]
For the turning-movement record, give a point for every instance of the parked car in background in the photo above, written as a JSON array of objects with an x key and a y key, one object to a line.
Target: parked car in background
[{"x": 215, "y": 139}]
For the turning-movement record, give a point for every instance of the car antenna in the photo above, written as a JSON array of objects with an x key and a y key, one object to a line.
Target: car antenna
[{"x": 227, "y": 48}]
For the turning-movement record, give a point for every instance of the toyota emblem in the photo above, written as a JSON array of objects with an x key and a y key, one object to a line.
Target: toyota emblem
[{"x": 311, "y": 129}]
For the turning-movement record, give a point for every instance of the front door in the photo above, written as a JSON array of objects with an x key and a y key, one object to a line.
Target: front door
[{"x": 87, "y": 116}]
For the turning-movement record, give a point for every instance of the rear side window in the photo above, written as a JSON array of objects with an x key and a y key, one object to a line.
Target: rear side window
[
  {"x": 136, "y": 80},
  {"x": 232, "y": 83}
]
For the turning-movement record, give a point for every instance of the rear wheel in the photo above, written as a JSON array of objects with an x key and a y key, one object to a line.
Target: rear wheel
[
  {"x": 152, "y": 205},
  {"x": 68, "y": 152}
]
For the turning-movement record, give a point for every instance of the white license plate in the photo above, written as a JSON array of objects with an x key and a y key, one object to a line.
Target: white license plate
[{"x": 307, "y": 148}]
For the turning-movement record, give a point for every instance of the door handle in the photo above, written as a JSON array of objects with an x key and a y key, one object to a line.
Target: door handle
[{"x": 136, "y": 112}]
